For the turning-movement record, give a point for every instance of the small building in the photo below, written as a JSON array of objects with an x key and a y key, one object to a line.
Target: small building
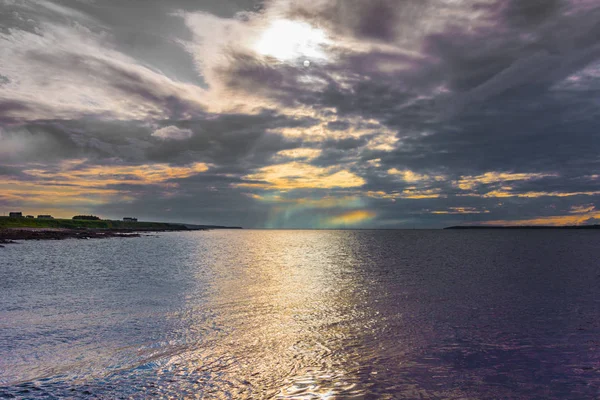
[
  {"x": 129, "y": 219},
  {"x": 45, "y": 217},
  {"x": 30, "y": 217},
  {"x": 15, "y": 214}
]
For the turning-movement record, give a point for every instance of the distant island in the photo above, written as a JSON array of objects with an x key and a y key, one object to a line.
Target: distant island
[
  {"x": 526, "y": 227},
  {"x": 85, "y": 227}
]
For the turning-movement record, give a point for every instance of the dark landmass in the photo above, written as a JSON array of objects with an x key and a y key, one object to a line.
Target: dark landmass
[
  {"x": 527, "y": 227},
  {"x": 12, "y": 229},
  {"x": 8, "y": 236},
  {"x": 7, "y": 222}
]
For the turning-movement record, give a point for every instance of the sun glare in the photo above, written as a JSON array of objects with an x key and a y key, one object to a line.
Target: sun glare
[{"x": 288, "y": 40}]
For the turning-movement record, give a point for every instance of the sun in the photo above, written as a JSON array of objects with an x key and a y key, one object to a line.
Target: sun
[{"x": 288, "y": 40}]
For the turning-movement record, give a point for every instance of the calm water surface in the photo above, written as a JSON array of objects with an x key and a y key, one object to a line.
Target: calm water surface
[{"x": 304, "y": 314}]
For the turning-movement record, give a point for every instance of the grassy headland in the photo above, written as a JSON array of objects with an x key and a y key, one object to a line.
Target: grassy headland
[{"x": 7, "y": 222}]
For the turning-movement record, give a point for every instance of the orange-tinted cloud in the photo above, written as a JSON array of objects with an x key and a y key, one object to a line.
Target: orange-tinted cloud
[
  {"x": 410, "y": 193},
  {"x": 533, "y": 195},
  {"x": 413, "y": 177},
  {"x": 295, "y": 175},
  {"x": 560, "y": 220},
  {"x": 584, "y": 209},
  {"x": 300, "y": 153},
  {"x": 460, "y": 210},
  {"x": 75, "y": 173},
  {"x": 470, "y": 182},
  {"x": 351, "y": 218},
  {"x": 74, "y": 184}
]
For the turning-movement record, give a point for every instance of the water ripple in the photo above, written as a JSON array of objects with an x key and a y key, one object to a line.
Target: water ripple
[{"x": 303, "y": 315}]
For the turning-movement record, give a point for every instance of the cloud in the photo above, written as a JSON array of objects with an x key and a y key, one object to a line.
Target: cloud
[
  {"x": 75, "y": 172},
  {"x": 470, "y": 182},
  {"x": 81, "y": 184},
  {"x": 412, "y": 177},
  {"x": 20, "y": 144},
  {"x": 409, "y": 193},
  {"x": 583, "y": 209},
  {"x": 299, "y": 153},
  {"x": 65, "y": 71},
  {"x": 460, "y": 211},
  {"x": 173, "y": 133},
  {"x": 295, "y": 175},
  {"x": 426, "y": 111}
]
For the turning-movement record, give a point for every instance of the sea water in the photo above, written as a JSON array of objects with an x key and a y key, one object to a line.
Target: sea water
[{"x": 303, "y": 314}]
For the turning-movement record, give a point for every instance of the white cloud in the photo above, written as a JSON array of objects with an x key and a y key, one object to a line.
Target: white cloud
[
  {"x": 172, "y": 133},
  {"x": 65, "y": 72}
]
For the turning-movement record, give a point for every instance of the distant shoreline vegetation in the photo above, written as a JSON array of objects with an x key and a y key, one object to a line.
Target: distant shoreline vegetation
[{"x": 87, "y": 217}]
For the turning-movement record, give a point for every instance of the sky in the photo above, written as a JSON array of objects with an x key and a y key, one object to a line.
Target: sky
[{"x": 302, "y": 113}]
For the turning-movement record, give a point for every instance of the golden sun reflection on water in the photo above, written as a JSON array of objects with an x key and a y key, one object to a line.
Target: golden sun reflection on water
[{"x": 285, "y": 310}]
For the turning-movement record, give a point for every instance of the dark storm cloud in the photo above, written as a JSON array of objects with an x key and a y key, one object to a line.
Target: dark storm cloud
[
  {"x": 238, "y": 141},
  {"x": 9, "y": 106},
  {"x": 9, "y": 170},
  {"x": 34, "y": 143},
  {"x": 232, "y": 141},
  {"x": 377, "y": 20},
  {"x": 561, "y": 184},
  {"x": 531, "y": 134},
  {"x": 336, "y": 151},
  {"x": 527, "y": 14},
  {"x": 338, "y": 125},
  {"x": 76, "y": 139}
]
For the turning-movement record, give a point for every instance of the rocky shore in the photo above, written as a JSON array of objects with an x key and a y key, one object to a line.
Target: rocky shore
[{"x": 8, "y": 236}]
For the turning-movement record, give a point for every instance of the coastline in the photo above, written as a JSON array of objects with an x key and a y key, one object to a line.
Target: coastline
[
  {"x": 13, "y": 229},
  {"x": 509, "y": 227},
  {"x": 11, "y": 235}
]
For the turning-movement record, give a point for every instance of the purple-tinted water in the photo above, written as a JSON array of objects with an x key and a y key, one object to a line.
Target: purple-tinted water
[{"x": 304, "y": 314}]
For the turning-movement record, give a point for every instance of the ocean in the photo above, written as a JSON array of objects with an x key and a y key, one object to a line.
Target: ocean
[{"x": 259, "y": 314}]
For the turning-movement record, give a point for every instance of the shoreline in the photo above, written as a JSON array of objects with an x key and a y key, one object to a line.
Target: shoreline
[
  {"x": 508, "y": 227},
  {"x": 11, "y": 235}
]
